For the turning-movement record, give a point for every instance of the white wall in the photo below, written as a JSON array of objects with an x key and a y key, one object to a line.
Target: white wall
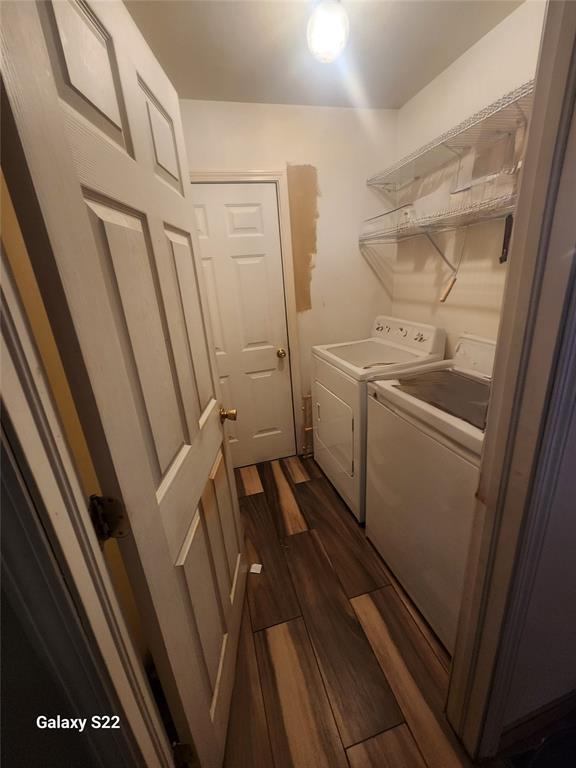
[
  {"x": 345, "y": 146},
  {"x": 499, "y": 62}
]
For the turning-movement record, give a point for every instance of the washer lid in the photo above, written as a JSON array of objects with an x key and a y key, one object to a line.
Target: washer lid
[{"x": 465, "y": 397}]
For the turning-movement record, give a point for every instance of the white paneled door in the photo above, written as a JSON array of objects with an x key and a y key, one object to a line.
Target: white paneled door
[
  {"x": 238, "y": 230},
  {"x": 114, "y": 244}
]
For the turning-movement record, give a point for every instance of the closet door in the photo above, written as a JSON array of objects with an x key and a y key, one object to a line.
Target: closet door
[
  {"x": 99, "y": 124},
  {"x": 239, "y": 239}
]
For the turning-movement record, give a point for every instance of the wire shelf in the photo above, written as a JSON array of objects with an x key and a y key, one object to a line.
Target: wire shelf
[
  {"x": 478, "y": 132},
  {"x": 381, "y": 229}
]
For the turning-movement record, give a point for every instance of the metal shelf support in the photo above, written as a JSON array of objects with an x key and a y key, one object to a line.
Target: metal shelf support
[{"x": 440, "y": 252}]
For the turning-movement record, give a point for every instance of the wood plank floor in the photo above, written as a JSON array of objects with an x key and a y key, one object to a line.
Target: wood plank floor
[
  {"x": 248, "y": 745},
  {"x": 355, "y": 561},
  {"x": 423, "y": 665},
  {"x": 336, "y": 668},
  {"x": 281, "y": 500},
  {"x": 361, "y": 699},
  {"x": 271, "y": 596},
  {"x": 395, "y": 748},
  {"x": 301, "y": 726},
  {"x": 426, "y": 729},
  {"x": 248, "y": 481}
]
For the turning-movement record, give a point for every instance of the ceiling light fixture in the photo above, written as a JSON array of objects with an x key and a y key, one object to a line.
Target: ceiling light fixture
[{"x": 328, "y": 29}]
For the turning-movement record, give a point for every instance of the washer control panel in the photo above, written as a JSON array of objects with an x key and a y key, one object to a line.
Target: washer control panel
[{"x": 426, "y": 338}]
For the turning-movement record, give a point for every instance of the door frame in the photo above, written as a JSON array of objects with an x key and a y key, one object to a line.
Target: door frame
[
  {"x": 280, "y": 180},
  {"x": 29, "y": 404},
  {"x": 516, "y": 465}
]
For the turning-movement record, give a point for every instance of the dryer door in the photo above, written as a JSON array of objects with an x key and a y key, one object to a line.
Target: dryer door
[{"x": 334, "y": 427}]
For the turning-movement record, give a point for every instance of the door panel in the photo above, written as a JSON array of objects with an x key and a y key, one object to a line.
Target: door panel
[
  {"x": 229, "y": 521},
  {"x": 126, "y": 257},
  {"x": 237, "y": 225},
  {"x": 189, "y": 301},
  {"x": 216, "y": 537},
  {"x": 334, "y": 426},
  {"x": 162, "y": 135},
  {"x": 195, "y": 562},
  {"x": 224, "y": 531},
  {"x": 85, "y": 48},
  {"x": 100, "y": 128},
  {"x": 79, "y": 46}
]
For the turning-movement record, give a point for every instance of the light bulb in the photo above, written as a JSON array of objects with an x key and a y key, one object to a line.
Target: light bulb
[{"x": 327, "y": 31}]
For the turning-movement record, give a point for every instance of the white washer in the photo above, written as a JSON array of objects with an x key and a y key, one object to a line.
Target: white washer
[
  {"x": 340, "y": 373},
  {"x": 425, "y": 436}
]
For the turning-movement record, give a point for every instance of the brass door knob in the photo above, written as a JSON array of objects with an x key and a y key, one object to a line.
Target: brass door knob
[
  {"x": 228, "y": 413},
  {"x": 280, "y": 352}
]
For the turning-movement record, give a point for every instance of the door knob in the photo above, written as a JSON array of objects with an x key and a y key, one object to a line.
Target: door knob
[
  {"x": 280, "y": 352},
  {"x": 228, "y": 413}
]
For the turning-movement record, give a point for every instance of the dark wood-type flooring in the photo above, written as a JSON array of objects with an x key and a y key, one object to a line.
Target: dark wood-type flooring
[{"x": 336, "y": 668}]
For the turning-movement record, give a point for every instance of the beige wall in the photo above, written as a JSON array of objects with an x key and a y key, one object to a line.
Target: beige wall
[
  {"x": 345, "y": 146},
  {"x": 499, "y": 62}
]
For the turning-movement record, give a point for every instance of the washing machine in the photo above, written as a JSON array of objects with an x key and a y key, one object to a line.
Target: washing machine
[
  {"x": 340, "y": 374},
  {"x": 425, "y": 437}
]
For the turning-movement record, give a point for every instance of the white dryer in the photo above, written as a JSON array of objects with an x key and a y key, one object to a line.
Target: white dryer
[
  {"x": 340, "y": 373},
  {"x": 425, "y": 437}
]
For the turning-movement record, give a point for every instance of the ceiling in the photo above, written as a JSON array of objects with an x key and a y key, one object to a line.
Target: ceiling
[{"x": 232, "y": 50}]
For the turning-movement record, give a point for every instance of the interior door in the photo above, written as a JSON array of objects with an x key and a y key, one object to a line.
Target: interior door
[
  {"x": 242, "y": 260},
  {"x": 109, "y": 224}
]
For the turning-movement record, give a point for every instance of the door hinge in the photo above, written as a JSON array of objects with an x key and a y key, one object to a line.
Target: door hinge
[{"x": 108, "y": 517}]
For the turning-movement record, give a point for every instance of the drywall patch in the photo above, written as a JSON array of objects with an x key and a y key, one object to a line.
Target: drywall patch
[{"x": 303, "y": 195}]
